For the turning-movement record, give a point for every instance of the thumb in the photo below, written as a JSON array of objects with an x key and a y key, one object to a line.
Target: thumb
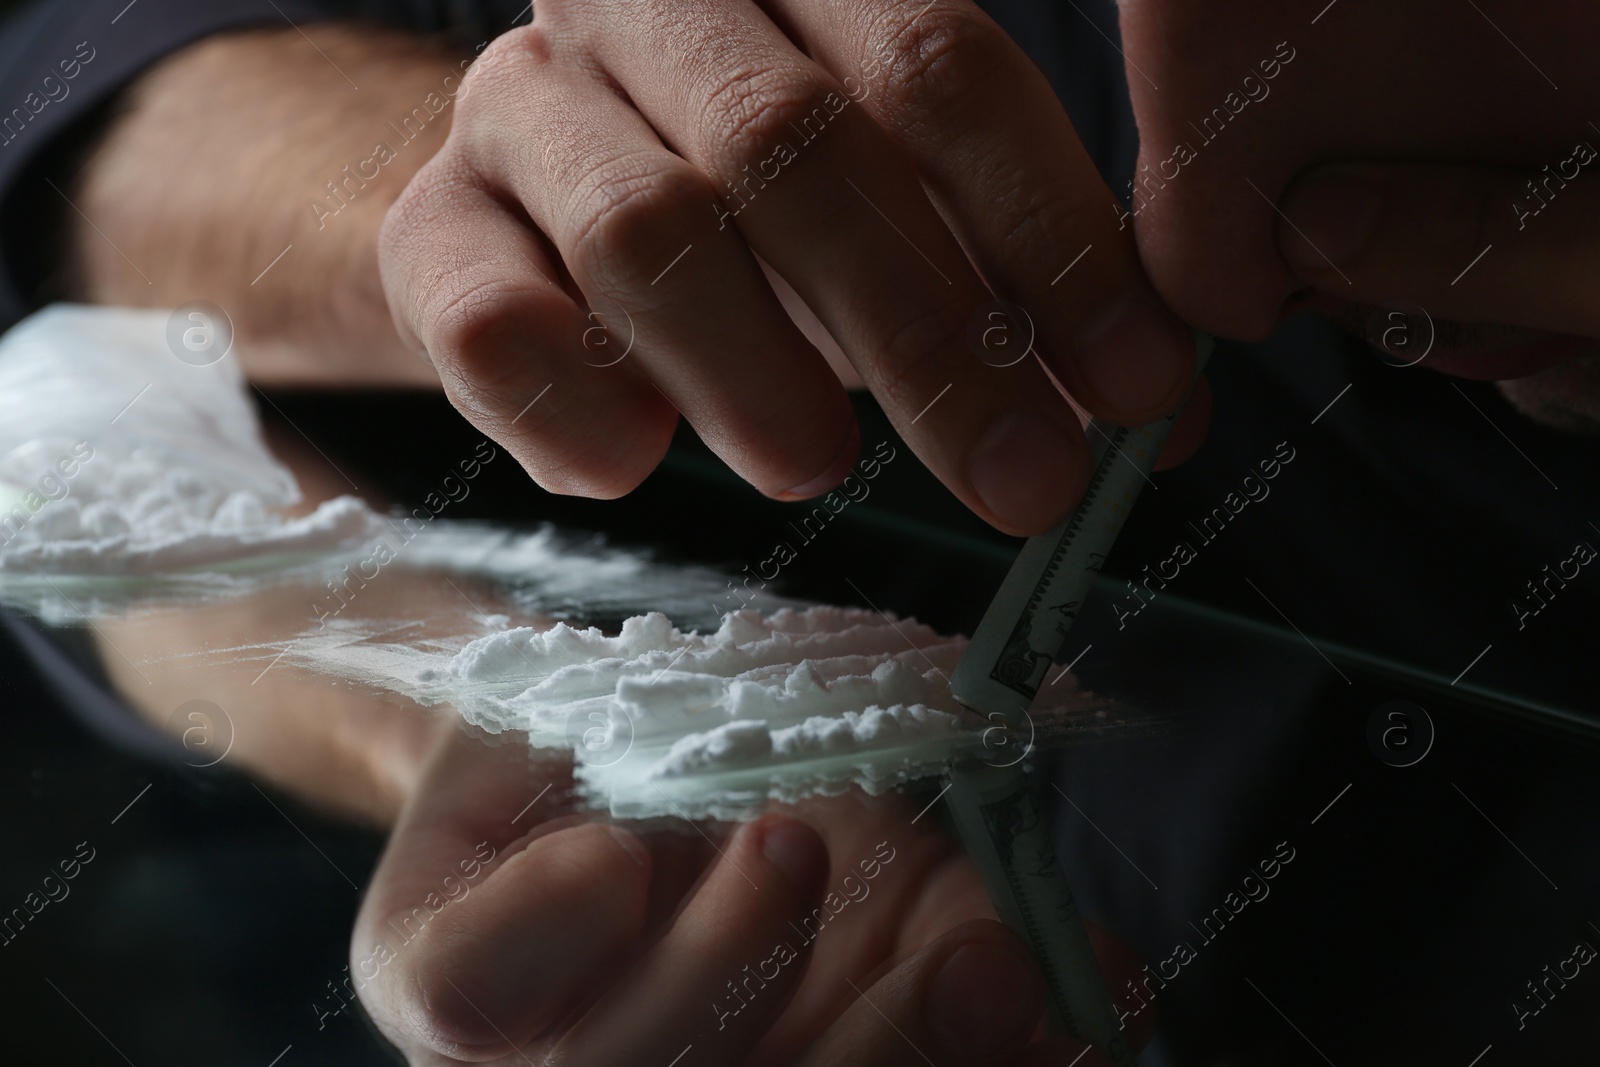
[{"x": 1511, "y": 246}]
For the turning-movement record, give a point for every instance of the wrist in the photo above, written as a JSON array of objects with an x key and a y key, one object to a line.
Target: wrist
[{"x": 244, "y": 171}]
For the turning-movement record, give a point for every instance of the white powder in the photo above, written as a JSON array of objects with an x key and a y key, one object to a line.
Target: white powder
[
  {"x": 177, "y": 477},
  {"x": 768, "y": 707}
]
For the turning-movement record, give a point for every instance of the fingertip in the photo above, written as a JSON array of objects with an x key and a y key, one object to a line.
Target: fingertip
[
  {"x": 1135, "y": 362},
  {"x": 607, "y": 458},
  {"x": 836, "y": 471},
  {"x": 986, "y": 997},
  {"x": 1027, "y": 472},
  {"x": 492, "y": 969},
  {"x": 794, "y": 850}
]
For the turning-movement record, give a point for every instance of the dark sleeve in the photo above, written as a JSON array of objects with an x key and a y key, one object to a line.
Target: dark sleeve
[
  {"x": 63, "y": 63},
  {"x": 66, "y": 666}
]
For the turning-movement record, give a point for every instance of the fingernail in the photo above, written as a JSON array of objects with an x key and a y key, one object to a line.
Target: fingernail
[
  {"x": 984, "y": 1000},
  {"x": 1026, "y": 472},
  {"x": 798, "y": 853},
  {"x": 836, "y": 472},
  {"x": 1330, "y": 219},
  {"x": 631, "y": 844},
  {"x": 1138, "y": 358}
]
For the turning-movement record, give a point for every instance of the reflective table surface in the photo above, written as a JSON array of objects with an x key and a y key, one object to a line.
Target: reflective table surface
[{"x": 1318, "y": 852}]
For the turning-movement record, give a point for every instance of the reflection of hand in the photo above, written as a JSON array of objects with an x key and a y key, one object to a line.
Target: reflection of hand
[
  {"x": 344, "y": 749},
  {"x": 591, "y": 944},
  {"x": 649, "y": 153},
  {"x": 1511, "y": 252}
]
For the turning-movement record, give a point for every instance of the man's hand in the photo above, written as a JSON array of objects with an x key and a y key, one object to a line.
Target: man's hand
[
  {"x": 621, "y": 171},
  {"x": 499, "y": 930},
  {"x": 1242, "y": 107},
  {"x": 1502, "y": 245},
  {"x": 1501, "y": 258}
]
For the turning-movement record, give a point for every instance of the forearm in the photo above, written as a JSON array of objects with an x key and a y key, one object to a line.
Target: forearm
[{"x": 253, "y": 170}]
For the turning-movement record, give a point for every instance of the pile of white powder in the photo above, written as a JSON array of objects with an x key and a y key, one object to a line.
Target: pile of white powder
[
  {"x": 168, "y": 470},
  {"x": 772, "y": 706}
]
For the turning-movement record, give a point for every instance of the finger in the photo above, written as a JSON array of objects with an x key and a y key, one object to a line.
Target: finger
[
  {"x": 971, "y": 997},
  {"x": 995, "y": 147},
  {"x": 472, "y": 289},
  {"x": 491, "y": 973},
  {"x": 822, "y": 194},
  {"x": 484, "y": 922},
  {"x": 1478, "y": 244},
  {"x": 717, "y": 979},
  {"x": 634, "y": 224},
  {"x": 1188, "y": 430}
]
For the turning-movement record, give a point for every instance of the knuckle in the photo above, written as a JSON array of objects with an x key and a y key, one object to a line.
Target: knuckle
[
  {"x": 568, "y": 883},
  {"x": 1036, "y": 222},
  {"x": 911, "y": 357},
  {"x": 747, "y": 441},
  {"x": 410, "y": 219},
  {"x": 629, "y": 224},
  {"x": 750, "y": 112},
  {"x": 588, "y": 856},
  {"x": 472, "y": 333},
  {"x": 933, "y": 61},
  {"x": 773, "y": 446},
  {"x": 559, "y": 13},
  {"x": 510, "y": 58},
  {"x": 408, "y": 244}
]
